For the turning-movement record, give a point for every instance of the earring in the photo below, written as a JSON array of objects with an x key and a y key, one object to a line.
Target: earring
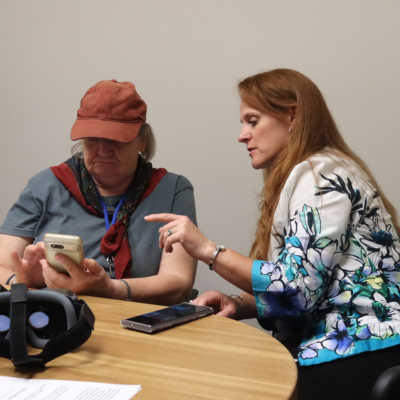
[{"x": 290, "y": 130}]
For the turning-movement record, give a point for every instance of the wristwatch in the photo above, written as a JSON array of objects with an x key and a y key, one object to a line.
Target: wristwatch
[{"x": 218, "y": 248}]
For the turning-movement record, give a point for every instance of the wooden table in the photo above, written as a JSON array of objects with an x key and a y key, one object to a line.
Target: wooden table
[{"x": 211, "y": 358}]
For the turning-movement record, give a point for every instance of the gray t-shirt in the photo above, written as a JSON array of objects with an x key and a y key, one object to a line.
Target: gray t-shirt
[{"x": 46, "y": 206}]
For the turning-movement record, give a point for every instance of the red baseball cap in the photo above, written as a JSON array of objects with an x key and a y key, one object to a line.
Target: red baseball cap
[{"x": 110, "y": 110}]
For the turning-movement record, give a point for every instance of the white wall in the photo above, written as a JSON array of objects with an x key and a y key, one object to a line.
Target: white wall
[{"x": 185, "y": 57}]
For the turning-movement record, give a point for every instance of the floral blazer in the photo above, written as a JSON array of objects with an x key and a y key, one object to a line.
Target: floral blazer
[{"x": 334, "y": 284}]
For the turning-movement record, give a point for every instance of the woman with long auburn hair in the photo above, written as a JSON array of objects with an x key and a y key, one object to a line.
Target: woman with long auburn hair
[{"x": 324, "y": 270}]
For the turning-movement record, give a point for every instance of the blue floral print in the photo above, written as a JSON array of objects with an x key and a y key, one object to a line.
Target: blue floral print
[
  {"x": 281, "y": 299},
  {"x": 336, "y": 283},
  {"x": 338, "y": 340}
]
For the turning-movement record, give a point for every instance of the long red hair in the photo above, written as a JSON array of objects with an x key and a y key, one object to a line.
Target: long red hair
[{"x": 313, "y": 132}]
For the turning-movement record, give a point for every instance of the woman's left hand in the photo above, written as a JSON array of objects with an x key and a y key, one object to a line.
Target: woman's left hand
[
  {"x": 91, "y": 280},
  {"x": 180, "y": 229},
  {"x": 223, "y": 305}
]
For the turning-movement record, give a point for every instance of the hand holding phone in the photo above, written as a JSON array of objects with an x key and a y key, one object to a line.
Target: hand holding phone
[
  {"x": 166, "y": 318},
  {"x": 69, "y": 245}
]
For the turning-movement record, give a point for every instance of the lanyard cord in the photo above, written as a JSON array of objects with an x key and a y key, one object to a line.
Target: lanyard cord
[
  {"x": 106, "y": 218},
  {"x": 110, "y": 258}
]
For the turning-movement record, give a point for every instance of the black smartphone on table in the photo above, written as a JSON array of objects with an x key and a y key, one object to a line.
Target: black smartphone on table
[{"x": 165, "y": 318}]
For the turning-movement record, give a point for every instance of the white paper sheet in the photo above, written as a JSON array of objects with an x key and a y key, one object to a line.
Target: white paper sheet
[{"x": 42, "y": 389}]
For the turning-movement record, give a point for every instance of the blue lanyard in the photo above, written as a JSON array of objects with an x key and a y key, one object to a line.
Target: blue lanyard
[{"x": 106, "y": 219}]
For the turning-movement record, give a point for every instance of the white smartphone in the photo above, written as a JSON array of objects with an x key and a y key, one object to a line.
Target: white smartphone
[
  {"x": 69, "y": 245},
  {"x": 166, "y": 318}
]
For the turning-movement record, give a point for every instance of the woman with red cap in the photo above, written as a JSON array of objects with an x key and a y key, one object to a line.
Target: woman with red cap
[{"x": 102, "y": 194}]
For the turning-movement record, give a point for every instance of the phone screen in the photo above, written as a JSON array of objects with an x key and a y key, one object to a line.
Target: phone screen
[
  {"x": 167, "y": 314},
  {"x": 166, "y": 318}
]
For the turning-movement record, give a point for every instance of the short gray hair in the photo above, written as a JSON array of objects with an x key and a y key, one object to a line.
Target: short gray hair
[{"x": 145, "y": 132}]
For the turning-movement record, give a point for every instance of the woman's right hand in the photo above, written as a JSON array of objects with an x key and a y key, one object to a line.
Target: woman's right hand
[
  {"x": 223, "y": 305},
  {"x": 28, "y": 269},
  {"x": 91, "y": 280},
  {"x": 180, "y": 229}
]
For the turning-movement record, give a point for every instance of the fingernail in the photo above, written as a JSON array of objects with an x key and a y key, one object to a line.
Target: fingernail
[{"x": 57, "y": 257}]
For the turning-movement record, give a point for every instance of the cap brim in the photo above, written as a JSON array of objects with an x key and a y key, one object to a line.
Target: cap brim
[{"x": 119, "y": 131}]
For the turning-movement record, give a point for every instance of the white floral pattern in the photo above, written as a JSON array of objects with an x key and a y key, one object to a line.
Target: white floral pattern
[{"x": 335, "y": 285}]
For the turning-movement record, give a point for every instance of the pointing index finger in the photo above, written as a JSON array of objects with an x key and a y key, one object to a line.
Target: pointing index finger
[{"x": 165, "y": 217}]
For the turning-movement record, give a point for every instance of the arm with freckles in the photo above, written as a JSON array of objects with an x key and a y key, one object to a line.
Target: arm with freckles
[{"x": 173, "y": 282}]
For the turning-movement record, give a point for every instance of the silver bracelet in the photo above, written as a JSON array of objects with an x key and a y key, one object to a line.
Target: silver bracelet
[
  {"x": 128, "y": 290},
  {"x": 218, "y": 248},
  {"x": 9, "y": 279},
  {"x": 239, "y": 297}
]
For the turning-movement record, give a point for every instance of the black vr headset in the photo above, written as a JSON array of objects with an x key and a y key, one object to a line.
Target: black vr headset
[{"x": 51, "y": 321}]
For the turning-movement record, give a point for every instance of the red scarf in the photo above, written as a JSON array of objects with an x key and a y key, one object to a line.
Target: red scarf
[{"x": 115, "y": 243}]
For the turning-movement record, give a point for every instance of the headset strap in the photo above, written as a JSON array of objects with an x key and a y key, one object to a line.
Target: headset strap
[
  {"x": 72, "y": 338},
  {"x": 18, "y": 345},
  {"x": 64, "y": 343}
]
